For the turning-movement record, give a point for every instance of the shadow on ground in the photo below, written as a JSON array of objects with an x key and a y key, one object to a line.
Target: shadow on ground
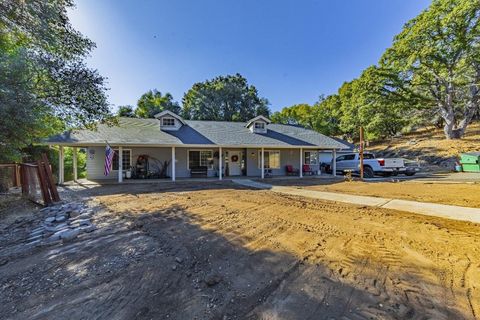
[{"x": 169, "y": 263}]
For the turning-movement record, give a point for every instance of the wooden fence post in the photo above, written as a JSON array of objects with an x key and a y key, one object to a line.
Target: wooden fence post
[
  {"x": 49, "y": 178},
  {"x": 43, "y": 183}
]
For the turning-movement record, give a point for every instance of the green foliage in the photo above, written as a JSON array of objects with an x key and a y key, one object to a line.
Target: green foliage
[
  {"x": 44, "y": 82},
  {"x": 299, "y": 114},
  {"x": 227, "y": 98},
  {"x": 126, "y": 111},
  {"x": 153, "y": 102},
  {"x": 81, "y": 163},
  {"x": 363, "y": 102},
  {"x": 328, "y": 115},
  {"x": 434, "y": 63}
]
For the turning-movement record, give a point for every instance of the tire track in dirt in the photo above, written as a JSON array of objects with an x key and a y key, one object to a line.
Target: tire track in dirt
[{"x": 270, "y": 256}]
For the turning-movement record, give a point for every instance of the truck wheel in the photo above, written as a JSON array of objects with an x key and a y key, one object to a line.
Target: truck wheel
[
  {"x": 410, "y": 173},
  {"x": 368, "y": 172}
]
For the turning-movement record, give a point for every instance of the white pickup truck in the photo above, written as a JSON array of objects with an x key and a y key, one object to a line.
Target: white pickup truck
[{"x": 373, "y": 166}]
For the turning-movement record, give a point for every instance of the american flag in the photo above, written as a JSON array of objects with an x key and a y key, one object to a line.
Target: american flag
[{"x": 108, "y": 159}]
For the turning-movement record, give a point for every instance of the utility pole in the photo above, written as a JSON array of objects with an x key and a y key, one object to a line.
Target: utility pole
[{"x": 361, "y": 153}]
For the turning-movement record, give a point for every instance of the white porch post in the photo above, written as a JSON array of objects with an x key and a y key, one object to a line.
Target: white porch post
[
  {"x": 319, "y": 171},
  {"x": 61, "y": 165},
  {"x": 301, "y": 162},
  {"x": 334, "y": 163},
  {"x": 120, "y": 164},
  {"x": 173, "y": 164},
  {"x": 220, "y": 163},
  {"x": 263, "y": 163},
  {"x": 74, "y": 159}
]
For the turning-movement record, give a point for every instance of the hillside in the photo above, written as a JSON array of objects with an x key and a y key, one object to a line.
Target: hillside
[{"x": 429, "y": 147}]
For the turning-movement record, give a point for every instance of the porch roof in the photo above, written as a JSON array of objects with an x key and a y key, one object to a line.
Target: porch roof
[{"x": 145, "y": 132}]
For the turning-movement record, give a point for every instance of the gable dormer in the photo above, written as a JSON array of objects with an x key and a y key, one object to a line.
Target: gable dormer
[
  {"x": 258, "y": 124},
  {"x": 169, "y": 121}
]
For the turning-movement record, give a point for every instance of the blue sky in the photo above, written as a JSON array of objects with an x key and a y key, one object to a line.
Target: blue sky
[{"x": 292, "y": 51}]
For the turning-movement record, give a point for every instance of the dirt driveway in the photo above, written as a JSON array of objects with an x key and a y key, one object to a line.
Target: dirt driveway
[
  {"x": 459, "y": 194},
  {"x": 218, "y": 251}
]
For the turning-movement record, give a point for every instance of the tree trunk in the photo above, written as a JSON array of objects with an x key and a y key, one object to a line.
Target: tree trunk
[
  {"x": 448, "y": 129},
  {"x": 457, "y": 132}
]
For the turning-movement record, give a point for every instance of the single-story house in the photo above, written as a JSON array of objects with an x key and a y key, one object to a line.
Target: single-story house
[{"x": 179, "y": 148}]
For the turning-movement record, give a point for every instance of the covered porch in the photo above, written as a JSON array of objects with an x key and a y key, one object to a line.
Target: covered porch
[{"x": 173, "y": 163}]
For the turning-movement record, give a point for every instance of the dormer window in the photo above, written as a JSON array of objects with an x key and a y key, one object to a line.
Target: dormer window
[
  {"x": 168, "y": 122},
  {"x": 258, "y": 124}
]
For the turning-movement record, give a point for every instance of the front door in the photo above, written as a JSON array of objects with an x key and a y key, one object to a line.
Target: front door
[{"x": 234, "y": 163}]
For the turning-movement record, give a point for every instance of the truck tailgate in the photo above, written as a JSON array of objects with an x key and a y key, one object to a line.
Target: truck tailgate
[{"x": 394, "y": 163}]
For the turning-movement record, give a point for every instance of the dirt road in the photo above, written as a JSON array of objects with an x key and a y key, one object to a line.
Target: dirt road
[{"x": 223, "y": 252}]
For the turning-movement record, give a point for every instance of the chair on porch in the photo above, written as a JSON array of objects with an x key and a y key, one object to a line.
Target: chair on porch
[
  {"x": 290, "y": 171},
  {"x": 307, "y": 170}
]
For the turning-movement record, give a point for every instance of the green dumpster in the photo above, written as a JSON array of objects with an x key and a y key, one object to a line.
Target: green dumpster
[{"x": 470, "y": 161}]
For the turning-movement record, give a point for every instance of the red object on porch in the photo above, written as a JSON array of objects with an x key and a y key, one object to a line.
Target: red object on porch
[
  {"x": 307, "y": 169},
  {"x": 291, "y": 171}
]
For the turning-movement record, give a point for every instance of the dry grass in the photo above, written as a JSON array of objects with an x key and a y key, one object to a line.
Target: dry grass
[{"x": 430, "y": 146}]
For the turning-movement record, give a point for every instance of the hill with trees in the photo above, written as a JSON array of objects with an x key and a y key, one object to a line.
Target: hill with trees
[{"x": 429, "y": 76}]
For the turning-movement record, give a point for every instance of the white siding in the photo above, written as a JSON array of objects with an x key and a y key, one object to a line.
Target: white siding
[{"x": 95, "y": 165}]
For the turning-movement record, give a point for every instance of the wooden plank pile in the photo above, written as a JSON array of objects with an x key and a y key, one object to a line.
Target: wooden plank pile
[{"x": 37, "y": 179}]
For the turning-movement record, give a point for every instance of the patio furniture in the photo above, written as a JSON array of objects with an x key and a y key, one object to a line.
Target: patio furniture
[
  {"x": 199, "y": 172},
  {"x": 307, "y": 170},
  {"x": 290, "y": 171},
  {"x": 267, "y": 173}
]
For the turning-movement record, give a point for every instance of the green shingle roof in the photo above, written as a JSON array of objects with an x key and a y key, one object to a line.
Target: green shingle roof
[{"x": 133, "y": 131}]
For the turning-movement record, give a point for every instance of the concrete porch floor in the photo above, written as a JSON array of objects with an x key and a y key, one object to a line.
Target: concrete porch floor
[{"x": 209, "y": 179}]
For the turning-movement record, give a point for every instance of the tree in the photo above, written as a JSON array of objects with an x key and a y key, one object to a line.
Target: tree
[
  {"x": 364, "y": 102},
  {"x": 153, "y": 102},
  {"x": 126, "y": 111},
  {"x": 227, "y": 98},
  {"x": 324, "y": 116},
  {"x": 299, "y": 114},
  {"x": 43, "y": 77},
  {"x": 328, "y": 114},
  {"x": 435, "y": 63}
]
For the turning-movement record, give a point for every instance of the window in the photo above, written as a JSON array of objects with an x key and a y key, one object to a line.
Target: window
[
  {"x": 346, "y": 157},
  {"x": 168, "y": 122},
  {"x": 126, "y": 159},
  {"x": 368, "y": 156},
  {"x": 200, "y": 158},
  {"x": 272, "y": 159},
  {"x": 260, "y": 125},
  {"x": 311, "y": 157}
]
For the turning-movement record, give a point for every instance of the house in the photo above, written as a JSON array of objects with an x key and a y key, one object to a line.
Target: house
[{"x": 186, "y": 148}]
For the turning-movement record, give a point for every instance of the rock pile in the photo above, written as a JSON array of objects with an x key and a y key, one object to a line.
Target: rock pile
[{"x": 62, "y": 222}]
